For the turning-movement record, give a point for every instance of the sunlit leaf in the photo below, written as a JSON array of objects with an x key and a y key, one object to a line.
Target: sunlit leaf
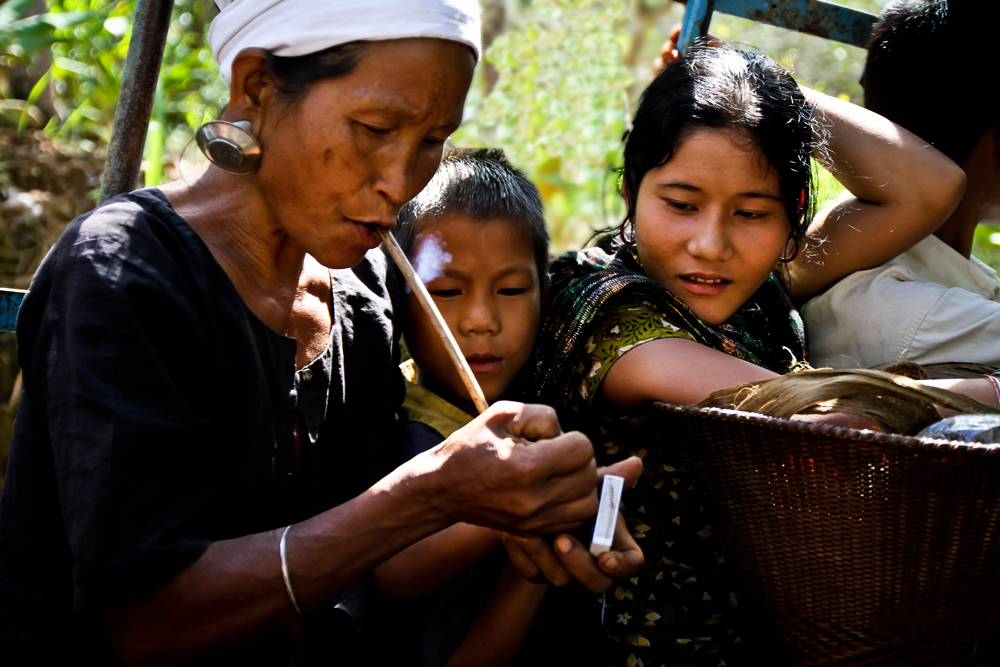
[
  {"x": 36, "y": 92},
  {"x": 11, "y": 10}
]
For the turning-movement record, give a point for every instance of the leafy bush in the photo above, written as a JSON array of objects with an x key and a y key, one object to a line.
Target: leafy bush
[
  {"x": 568, "y": 77},
  {"x": 84, "y": 43}
]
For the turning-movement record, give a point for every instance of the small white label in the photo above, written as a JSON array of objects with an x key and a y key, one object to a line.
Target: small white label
[{"x": 607, "y": 514}]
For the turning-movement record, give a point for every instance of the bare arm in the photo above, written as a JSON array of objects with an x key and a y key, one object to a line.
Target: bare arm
[
  {"x": 427, "y": 565},
  {"x": 500, "y": 629},
  {"x": 485, "y": 473},
  {"x": 980, "y": 389},
  {"x": 676, "y": 370},
  {"x": 235, "y": 591},
  {"x": 903, "y": 190},
  {"x": 673, "y": 370}
]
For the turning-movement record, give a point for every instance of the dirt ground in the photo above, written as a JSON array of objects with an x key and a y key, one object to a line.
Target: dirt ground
[{"x": 43, "y": 185}]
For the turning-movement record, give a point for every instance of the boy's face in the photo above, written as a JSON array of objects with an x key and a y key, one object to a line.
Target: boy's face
[{"x": 483, "y": 278}]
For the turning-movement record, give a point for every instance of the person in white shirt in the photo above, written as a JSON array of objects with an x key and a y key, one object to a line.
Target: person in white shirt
[{"x": 934, "y": 303}]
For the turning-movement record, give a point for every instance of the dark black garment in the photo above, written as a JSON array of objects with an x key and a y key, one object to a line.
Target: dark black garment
[
  {"x": 158, "y": 416},
  {"x": 427, "y": 632}
]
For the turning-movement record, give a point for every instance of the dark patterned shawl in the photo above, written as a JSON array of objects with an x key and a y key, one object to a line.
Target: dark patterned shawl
[{"x": 767, "y": 330}]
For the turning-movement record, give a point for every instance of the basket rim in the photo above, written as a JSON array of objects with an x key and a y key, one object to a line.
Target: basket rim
[{"x": 839, "y": 432}]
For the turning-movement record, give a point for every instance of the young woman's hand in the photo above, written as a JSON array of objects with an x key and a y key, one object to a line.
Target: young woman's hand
[{"x": 669, "y": 52}]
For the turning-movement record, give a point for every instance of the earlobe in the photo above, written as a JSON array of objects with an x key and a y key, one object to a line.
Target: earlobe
[
  {"x": 789, "y": 254},
  {"x": 231, "y": 143},
  {"x": 250, "y": 87}
]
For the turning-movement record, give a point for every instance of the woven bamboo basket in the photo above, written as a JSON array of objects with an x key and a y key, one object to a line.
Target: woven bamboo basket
[{"x": 853, "y": 547}]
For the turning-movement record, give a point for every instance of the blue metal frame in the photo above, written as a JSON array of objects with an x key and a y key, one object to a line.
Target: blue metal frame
[
  {"x": 10, "y": 302},
  {"x": 697, "y": 17},
  {"x": 814, "y": 17}
]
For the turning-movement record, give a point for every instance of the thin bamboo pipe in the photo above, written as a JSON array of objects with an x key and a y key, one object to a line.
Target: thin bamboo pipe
[{"x": 424, "y": 297}]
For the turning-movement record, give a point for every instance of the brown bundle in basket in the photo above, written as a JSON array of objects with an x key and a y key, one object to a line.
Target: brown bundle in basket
[
  {"x": 955, "y": 370},
  {"x": 895, "y": 403}
]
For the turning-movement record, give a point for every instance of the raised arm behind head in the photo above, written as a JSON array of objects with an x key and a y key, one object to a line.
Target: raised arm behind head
[
  {"x": 711, "y": 230},
  {"x": 940, "y": 100}
]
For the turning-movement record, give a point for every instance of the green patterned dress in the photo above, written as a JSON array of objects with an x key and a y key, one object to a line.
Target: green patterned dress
[{"x": 681, "y": 610}]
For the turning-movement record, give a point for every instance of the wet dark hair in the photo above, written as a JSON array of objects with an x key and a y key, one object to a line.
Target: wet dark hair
[
  {"x": 928, "y": 66},
  {"x": 719, "y": 88},
  {"x": 479, "y": 184},
  {"x": 293, "y": 76}
]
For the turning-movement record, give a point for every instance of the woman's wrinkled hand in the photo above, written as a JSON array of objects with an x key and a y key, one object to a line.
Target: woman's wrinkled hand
[{"x": 513, "y": 468}]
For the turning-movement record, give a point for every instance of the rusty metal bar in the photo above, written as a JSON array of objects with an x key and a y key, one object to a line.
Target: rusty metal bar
[
  {"x": 135, "y": 100},
  {"x": 814, "y": 17},
  {"x": 697, "y": 17}
]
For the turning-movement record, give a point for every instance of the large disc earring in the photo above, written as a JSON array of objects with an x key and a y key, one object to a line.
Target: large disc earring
[{"x": 229, "y": 146}]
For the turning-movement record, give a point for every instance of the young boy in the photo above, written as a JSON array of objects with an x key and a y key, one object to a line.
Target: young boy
[{"x": 477, "y": 237}]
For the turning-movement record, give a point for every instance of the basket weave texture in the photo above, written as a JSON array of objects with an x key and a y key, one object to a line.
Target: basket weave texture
[{"x": 855, "y": 548}]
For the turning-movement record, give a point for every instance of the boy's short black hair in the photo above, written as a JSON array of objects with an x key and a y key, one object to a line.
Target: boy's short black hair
[
  {"x": 931, "y": 65},
  {"x": 478, "y": 183}
]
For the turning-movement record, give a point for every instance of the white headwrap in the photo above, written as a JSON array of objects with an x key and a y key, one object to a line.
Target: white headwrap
[{"x": 298, "y": 27}]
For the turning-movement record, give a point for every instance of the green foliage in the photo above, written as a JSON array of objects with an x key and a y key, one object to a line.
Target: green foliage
[
  {"x": 86, "y": 66},
  {"x": 986, "y": 244},
  {"x": 192, "y": 88},
  {"x": 558, "y": 109},
  {"x": 21, "y": 35},
  {"x": 565, "y": 92},
  {"x": 88, "y": 41},
  {"x": 828, "y": 190}
]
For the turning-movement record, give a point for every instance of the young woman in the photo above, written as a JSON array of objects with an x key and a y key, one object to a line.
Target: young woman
[{"x": 685, "y": 299}]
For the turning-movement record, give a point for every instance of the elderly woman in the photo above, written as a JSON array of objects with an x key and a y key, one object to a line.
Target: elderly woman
[{"x": 200, "y": 457}]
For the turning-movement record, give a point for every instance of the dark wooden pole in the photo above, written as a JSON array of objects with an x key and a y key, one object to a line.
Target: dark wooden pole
[{"x": 135, "y": 100}]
